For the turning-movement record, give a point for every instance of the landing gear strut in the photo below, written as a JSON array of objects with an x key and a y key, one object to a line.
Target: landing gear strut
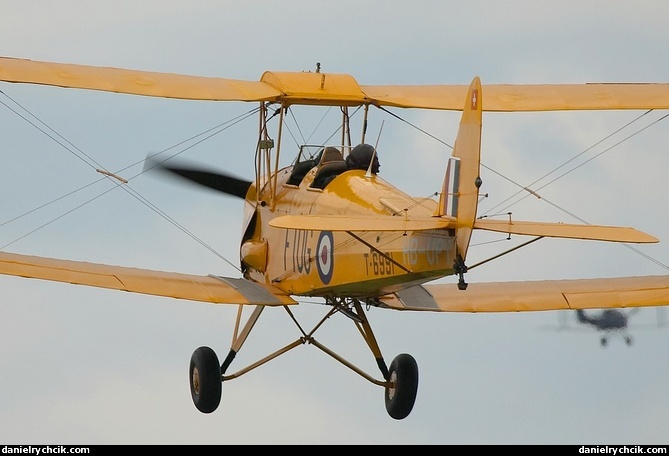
[
  {"x": 460, "y": 268},
  {"x": 400, "y": 381}
]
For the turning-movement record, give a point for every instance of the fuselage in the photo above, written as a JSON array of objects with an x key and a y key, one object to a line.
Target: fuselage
[
  {"x": 342, "y": 263},
  {"x": 607, "y": 320}
]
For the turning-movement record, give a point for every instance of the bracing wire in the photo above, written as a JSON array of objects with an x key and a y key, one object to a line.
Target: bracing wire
[{"x": 189, "y": 143}]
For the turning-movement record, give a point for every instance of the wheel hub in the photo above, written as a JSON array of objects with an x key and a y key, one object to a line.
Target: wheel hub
[
  {"x": 391, "y": 389},
  {"x": 196, "y": 381}
]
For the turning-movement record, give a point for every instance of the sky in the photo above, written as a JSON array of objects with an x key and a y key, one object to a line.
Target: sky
[{"x": 82, "y": 366}]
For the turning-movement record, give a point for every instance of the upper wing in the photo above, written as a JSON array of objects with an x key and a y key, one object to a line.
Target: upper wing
[
  {"x": 336, "y": 89},
  {"x": 133, "y": 81},
  {"x": 535, "y": 295},
  {"x": 527, "y": 97},
  {"x": 211, "y": 289}
]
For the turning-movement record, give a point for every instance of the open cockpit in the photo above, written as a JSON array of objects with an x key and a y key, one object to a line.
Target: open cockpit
[{"x": 330, "y": 161}]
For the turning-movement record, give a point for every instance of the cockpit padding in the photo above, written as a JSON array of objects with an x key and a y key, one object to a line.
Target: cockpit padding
[{"x": 332, "y": 164}]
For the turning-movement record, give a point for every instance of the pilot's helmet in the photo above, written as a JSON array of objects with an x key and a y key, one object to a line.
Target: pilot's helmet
[{"x": 360, "y": 156}]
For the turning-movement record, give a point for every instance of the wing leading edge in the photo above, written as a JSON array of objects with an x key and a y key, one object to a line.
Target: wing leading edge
[
  {"x": 530, "y": 296},
  {"x": 210, "y": 289}
]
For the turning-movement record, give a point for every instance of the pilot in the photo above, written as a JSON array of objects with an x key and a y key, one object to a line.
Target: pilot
[{"x": 360, "y": 156}]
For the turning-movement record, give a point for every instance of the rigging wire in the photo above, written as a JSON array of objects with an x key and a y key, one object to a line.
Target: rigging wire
[
  {"x": 77, "y": 152},
  {"x": 534, "y": 192},
  {"x": 53, "y": 135},
  {"x": 531, "y": 192},
  {"x": 315, "y": 129},
  {"x": 401, "y": 119},
  {"x": 528, "y": 187}
]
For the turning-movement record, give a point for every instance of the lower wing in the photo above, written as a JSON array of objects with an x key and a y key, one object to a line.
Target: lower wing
[
  {"x": 638, "y": 291},
  {"x": 211, "y": 289},
  {"x": 478, "y": 297}
]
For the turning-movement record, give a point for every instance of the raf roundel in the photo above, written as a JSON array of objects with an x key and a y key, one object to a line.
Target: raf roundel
[{"x": 324, "y": 256}]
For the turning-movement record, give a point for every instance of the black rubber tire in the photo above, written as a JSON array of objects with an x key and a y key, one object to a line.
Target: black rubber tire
[
  {"x": 403, "y": 373},
  {"x": 205, "y": 379}
]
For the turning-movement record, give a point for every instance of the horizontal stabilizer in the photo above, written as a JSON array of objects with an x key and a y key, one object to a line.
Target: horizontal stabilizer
[
  {"x": 362, "y": 223},
  {"x": 565, "y": 230}
]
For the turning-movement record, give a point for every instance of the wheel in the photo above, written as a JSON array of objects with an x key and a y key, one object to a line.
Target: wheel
[
  {"x": 403, "y": 373},
  {"x": 205, "y": 379}
]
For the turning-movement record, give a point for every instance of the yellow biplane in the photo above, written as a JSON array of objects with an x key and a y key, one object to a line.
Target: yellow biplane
[{"x": 327, "y": 226}]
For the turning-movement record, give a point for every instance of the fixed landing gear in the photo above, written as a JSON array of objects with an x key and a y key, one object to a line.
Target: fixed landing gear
[
  {"x": 400, "y": 380},
  {"x": 205, "y": 379},
  {"x": 460, "y": 269},
  {"x": 401, "y": 393},
  {"x": 603, "y": 341}
]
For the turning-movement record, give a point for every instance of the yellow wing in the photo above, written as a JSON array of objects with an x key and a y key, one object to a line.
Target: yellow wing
[
  {"x": 567, "y": 230},
  {"x": 133, "y": 81},
  {"x": 535, "y": 295},
  {"x": 336, "y": 89},
  {"x": 361, "y": 223},
  {"x": 211, "y": 289},
  {"x": 527, "y": 97},
  {"x": 400, "y": 223}
]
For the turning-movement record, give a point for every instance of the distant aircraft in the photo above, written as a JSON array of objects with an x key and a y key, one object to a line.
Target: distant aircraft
[{"x": 609, "y": 321}]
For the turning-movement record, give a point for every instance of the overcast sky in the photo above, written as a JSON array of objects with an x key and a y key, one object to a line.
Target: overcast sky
[{"x": 81, "y": 365}]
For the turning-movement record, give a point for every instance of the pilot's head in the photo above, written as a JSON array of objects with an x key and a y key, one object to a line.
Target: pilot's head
[{"x": 360, "y": 156}]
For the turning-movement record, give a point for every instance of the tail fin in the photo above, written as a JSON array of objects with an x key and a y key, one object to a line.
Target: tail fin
[{"x": 460, "y": 190}]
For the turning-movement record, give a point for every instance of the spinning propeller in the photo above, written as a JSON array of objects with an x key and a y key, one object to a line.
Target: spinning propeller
[{"x": 215, "y": 180}]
